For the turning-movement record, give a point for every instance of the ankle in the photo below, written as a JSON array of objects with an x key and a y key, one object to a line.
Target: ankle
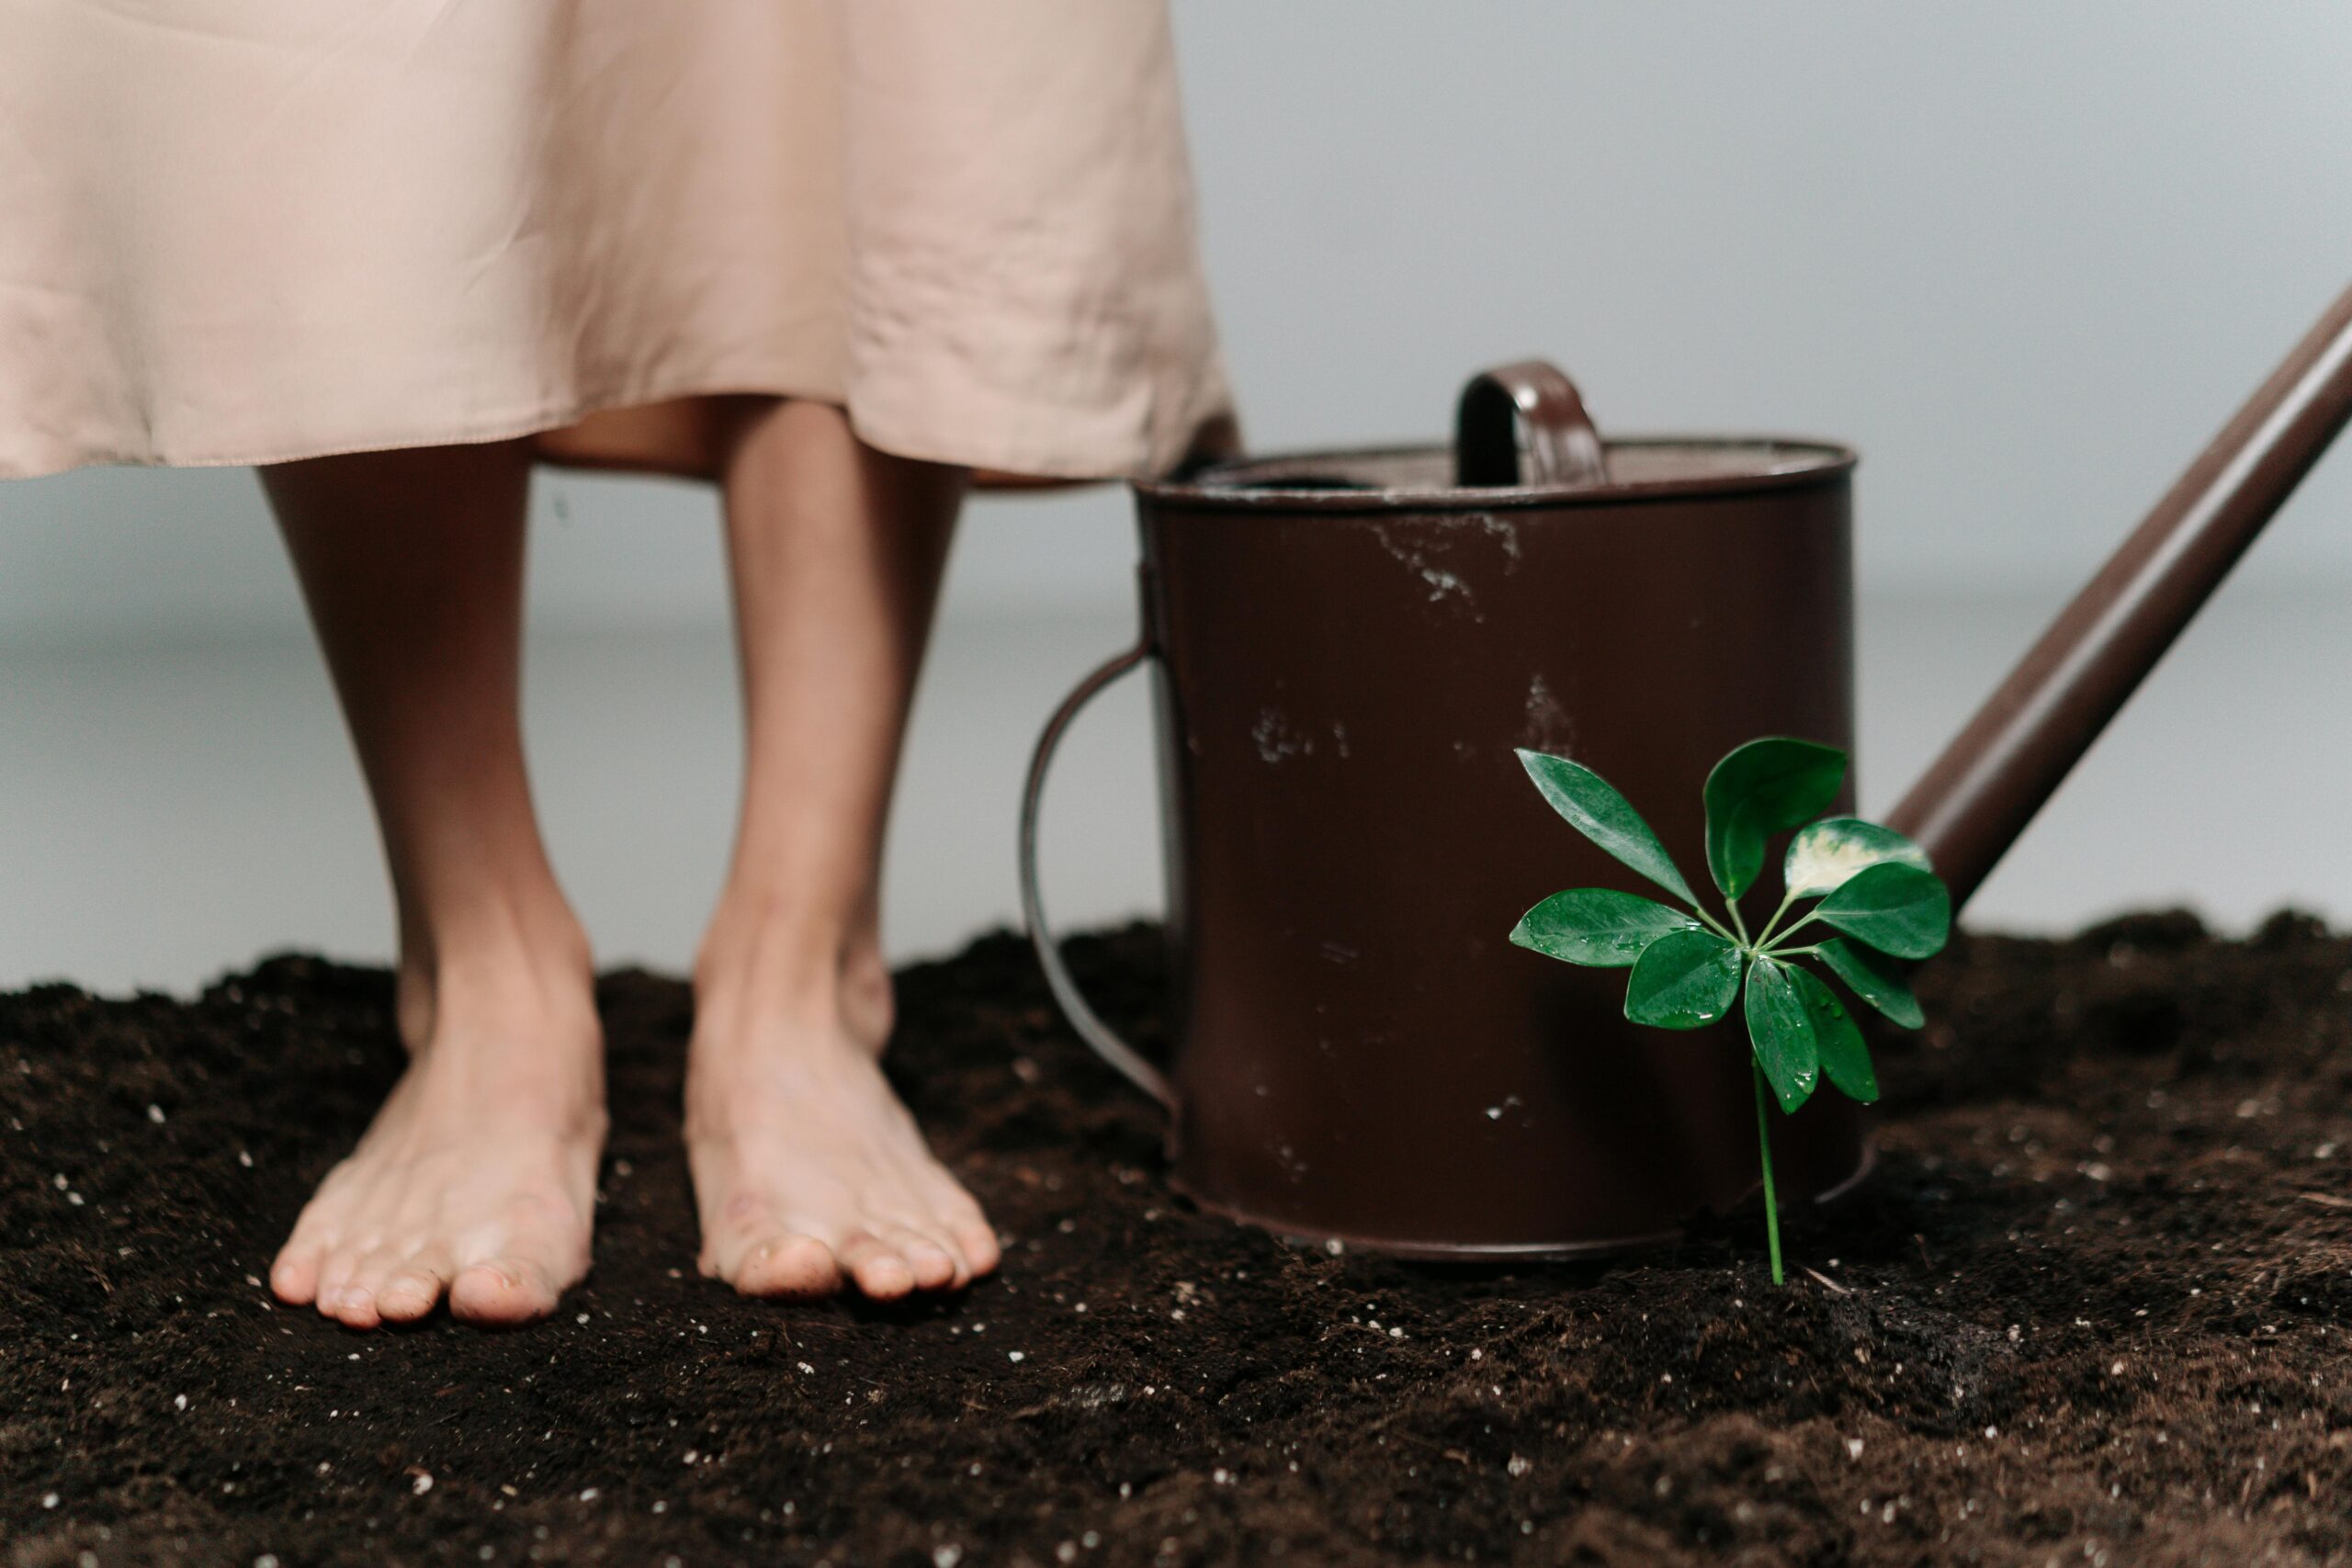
[
  {"x": 498, "y": 967},
  {"x": 759, "y": 977}
]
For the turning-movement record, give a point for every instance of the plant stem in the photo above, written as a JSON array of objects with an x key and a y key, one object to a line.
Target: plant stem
[
  {"x": 1797, "y": 925},
  {"x": 1765, "y": 934},
  {"x": 1713, "y": 924},
  {"x": 1732, "y": 905},
  {"x": 1789, "y": 952},
  {"x": 1764, "y": 1147}
]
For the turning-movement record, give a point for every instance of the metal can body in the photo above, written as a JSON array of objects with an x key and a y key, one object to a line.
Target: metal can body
[{"x": 1343, "y": 678}]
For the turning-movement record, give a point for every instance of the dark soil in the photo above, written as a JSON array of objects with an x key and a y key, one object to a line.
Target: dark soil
[{"x": 2090, "y": 1311}]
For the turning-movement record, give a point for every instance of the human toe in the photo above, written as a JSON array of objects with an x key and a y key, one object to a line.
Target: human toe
[
  {"x": 294, "y": 1278},
  {"x": 355, "y": 1303},
  {"x": 958, "y": 1218},
  {"x": 977, "y": 1241},
  {"x": 876, "y": 1266},
  {"x": 502, "y": 1291},
  {"x": 354, "y": 1307},
  {"x": 794, "y": 1267},
  {"x": 411, "y": 1291},
  {"x": 336, "y": 1273},
  {"x": 932, "y": 1262}
]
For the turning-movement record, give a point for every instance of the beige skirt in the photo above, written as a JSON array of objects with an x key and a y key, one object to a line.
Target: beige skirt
[{"x": 251, "y": 231}]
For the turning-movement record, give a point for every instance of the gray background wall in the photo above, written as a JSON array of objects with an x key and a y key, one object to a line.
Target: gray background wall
[{"x": 2026, "y": 256}]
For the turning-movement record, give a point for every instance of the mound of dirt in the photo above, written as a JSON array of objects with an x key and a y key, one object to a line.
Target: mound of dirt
[{"x": 2089, "y": 1311}]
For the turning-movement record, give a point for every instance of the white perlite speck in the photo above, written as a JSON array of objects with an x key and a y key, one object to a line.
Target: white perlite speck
[{"x": 156, "y": 1115}]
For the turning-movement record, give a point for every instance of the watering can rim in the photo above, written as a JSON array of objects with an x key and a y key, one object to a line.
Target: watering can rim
[{"x": 1254, "y": 483}]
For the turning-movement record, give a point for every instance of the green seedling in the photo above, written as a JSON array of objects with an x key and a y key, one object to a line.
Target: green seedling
[{"x": 1869, "y": 886}]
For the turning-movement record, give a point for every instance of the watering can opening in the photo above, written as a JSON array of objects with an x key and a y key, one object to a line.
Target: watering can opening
[
  {"x": 1414, "y": 477},
  {"x": 1521, "y": 437},
  {"x": 1341, "y": 687}
]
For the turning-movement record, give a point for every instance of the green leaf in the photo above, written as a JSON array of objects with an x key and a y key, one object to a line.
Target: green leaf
[
  {"x": 1781, "y": 1028},
  {"x": 1606, "y": 817},
  {"x": 1825, "y": 853},
  {"x": 1760, "y": 789},
  {"x": 1845, "y": 1058},
  {"x": 1895, "y": 908},
  {"x": 1873, "y": 979},
  {"x": 1684, "y": 980},
  {"x": 1598, "y": 926}
]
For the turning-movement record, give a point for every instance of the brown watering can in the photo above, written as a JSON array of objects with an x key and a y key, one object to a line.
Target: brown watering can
[{"x": 1347, "y": 650}]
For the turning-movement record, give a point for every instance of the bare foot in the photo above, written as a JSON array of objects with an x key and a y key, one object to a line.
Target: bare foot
[
  {"x": 809, "y": 1175},
  {"x": 477, "y": 1180}
]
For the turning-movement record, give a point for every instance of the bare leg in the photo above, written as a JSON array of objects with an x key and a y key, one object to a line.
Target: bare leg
[
  {"x": 477, "y": 1180},
  {"x": 808, "y": 1172}
]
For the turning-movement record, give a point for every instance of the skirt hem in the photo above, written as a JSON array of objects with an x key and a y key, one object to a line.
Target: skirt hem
[{"x": 1023, "y": 460}]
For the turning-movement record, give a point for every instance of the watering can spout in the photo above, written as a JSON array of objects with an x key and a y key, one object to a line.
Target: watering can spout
[{"x": 1980, "y": 793}]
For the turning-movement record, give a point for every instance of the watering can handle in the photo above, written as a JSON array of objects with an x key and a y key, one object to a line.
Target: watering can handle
[
  {"x": 1524, "y": 423},
  {"x": 1130, "y": 1063}
]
